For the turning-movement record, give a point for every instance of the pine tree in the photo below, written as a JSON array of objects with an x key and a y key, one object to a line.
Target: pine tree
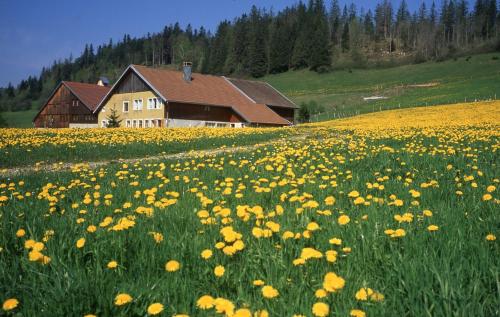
[
  {"x": 257, "y": 47},
  {"x": 345, "y": 38},
  {"x": 113, "y": 119},
  {"x": 320, "y": 54},
  {"x": 279, "y": 48}
]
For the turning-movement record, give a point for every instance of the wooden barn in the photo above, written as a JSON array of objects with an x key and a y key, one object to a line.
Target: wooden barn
[
  {"x": 71, "y": 105},
  {"x": 153, "y": 97}
]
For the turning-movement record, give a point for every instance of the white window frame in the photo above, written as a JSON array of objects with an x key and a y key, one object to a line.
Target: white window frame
[
  {"x": 128, "y": 123},
  {"x": 128, "y": 105},
  {"x": 154, "y": 103},
  {"x": 146, "y": 123},
  {"x": 140, "y": 123},
  {"x": 134, "y": 123},
  {"x": 104, "y": 123},
  {"x": 138, "y": 104}
]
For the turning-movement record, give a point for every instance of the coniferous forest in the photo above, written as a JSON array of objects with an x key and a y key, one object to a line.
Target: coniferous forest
[{"x": 318, "y": 35}]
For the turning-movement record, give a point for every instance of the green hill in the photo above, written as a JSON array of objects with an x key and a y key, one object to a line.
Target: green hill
[{"x": 341, "y": 93}]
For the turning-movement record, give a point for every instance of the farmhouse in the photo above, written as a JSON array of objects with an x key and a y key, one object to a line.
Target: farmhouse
[
  {"x": 152, "y": 97},
  {"x": 71, "y": 105}
]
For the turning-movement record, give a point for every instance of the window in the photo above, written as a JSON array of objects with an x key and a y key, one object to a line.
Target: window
[
  {"x": 210, "y": 124},
  {"x": 154, "y": 103},
  {"x": 104, "y": 123},
  {"x": 140, "y": 123},
  {"x": 125, "y": 106},
  {"x": 137, "y": 104},
  {"x": 146, "y": 123},
  {"x": 221, "y": 125},
  {"x": 127, "y": 123},
  {"x": 134, "y": 123},
  {"x": 75, "y": 103},
  {"x": 207, "y": 108}
]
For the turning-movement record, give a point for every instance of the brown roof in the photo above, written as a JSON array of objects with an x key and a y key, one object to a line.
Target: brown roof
[
  {"x": 89, "y": 94},
  {"x": 262, "y": 92},
  {"x": 204, "y": 90}
]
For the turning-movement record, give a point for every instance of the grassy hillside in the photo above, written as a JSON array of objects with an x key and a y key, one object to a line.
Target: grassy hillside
[{"x": 342, "y": 92}]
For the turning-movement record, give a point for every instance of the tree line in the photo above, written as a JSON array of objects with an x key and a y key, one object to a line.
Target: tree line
[{"x": 315, "y": 35}]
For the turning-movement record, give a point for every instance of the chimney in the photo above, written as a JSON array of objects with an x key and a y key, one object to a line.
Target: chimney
[
  {"x": 187, "y": 70},
  {"x": 103, "y": 81}
]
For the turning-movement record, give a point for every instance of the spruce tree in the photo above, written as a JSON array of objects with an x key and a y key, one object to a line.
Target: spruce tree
[
  {"x": 320, "y": 53},
  {"x": 279, "y": 48},
  {"x": 345, "y": 38},
  {"x": 113, "y": 119},
  {"x": 257, "y": 48}
]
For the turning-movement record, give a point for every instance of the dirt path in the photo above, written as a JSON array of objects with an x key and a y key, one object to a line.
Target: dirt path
[{"x": 58, "y": 167}]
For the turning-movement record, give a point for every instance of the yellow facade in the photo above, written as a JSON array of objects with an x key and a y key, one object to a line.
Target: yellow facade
[{"x": 141, "y": 118}]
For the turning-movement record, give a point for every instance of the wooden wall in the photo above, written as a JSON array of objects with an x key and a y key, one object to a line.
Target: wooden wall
[
  {"x": 61, "y": 110},
  {"x": 131, "y": 83},
  {"x": 200, "y": 112},
  {"x": 287, "y": 113}
]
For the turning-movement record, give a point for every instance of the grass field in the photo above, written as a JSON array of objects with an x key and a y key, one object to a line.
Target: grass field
[
  {"x": 342, "y": 92},
  {"x": 388, "y": 214},
  {"x": 37, "y": 147}
]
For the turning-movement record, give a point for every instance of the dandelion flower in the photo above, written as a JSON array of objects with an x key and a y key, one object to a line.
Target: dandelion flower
[
  {"x": 357, "y": 313},
  {"x": 10, "y": 304},
  {"x": 112, "y": 264},
  {"x": 122, "y": 299},
  {"x": 172, "y": 266},
  {"x": 219, "y": 271},
  {"x": 80, "y": 243},
  {"x": 343, "y": 220},
  {"x": 20, "y": 233},
  {"x": 332, "y": 282},
  {"x": 206, "y": 254},
  {"x": 432, "y": 228},
  {"x": 320, "y": 309},
  {"x": 205, "y": 302},
  {"x": 269, "y": 292},
  {"x": 491, "y": 237},
  {"x": 155, "y": 309}
]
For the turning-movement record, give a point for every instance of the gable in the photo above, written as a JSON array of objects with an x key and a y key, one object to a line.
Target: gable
[{"x": 131, "y": 83}]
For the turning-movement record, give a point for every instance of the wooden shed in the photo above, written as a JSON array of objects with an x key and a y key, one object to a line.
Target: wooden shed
[{"x": 71, "y": 105}]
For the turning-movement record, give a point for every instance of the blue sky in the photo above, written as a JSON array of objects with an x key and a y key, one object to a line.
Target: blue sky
[{"x": 35, "y": 33}]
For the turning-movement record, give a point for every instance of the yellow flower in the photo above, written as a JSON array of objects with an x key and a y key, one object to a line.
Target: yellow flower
[
  {"x": 80, "y": 243},
  {"x": 357, "y": 313},
  {"x": 353, "y": 194},
  {"x": 487, "y": 197},
  {"x": 112, "y": 265},
  {"x": 205, "y": 302},
  {"x": 491, "y": 237},
  {"x": 90, "y": 315},
  {"x": 269, "y": 292},
  {"x": 206, "y": 254},
  {"x": 219, "y": 271},
  {"x": 320, "y": 293},
  {"x": 432, "y": 228},
  {"x": 343, "y": 220},
  {"x": 490, "y": 189},
  {"x": 427, "y": 213},
  {"x": 332, "y": 282},
  {"x": 242, "y": 312},
  {"x": 172, "y": 266},
  {"x": 258, "y": 283},
  {"x": 335, "y": 241},
  {"x": 155, "y": 309},
  {"x": 20, "y": 233},
  {"x": 91, "y": 228},
  {"x": 320, "y": 309},
  {"x": 10, "y": 304},
  {"x": 122, "y": 299},
  {"x": 330, "y": 200}
]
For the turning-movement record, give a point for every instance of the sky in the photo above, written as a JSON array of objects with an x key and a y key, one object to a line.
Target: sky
[{"x": 35, "y": 33}]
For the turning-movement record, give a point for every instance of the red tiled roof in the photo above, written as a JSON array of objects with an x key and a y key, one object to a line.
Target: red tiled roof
[
  {"x": 262, "y": 92},
  {"x": 207, "y": 90},
  {"x": 89, "y": 94}
]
